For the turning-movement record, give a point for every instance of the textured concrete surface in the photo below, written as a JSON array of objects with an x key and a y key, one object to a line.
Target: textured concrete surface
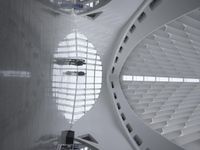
[
  {"x": 29, "y": 34},
  {"x": 27, "y": 110}
]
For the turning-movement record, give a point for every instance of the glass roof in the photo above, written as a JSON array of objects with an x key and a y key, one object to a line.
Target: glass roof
[
  {"x": 159, "y": 79},
  {"x": 75, "y": 6},
  {"x": 77, "y": 76}
]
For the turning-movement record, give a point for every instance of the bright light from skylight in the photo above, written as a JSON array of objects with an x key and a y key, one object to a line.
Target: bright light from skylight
[
  {"x": 77, "y": 76},
  {"x": 159, "y": 79}
]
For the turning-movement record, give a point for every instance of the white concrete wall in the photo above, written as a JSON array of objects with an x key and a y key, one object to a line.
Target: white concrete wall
[{"x": 28, "y": 36}]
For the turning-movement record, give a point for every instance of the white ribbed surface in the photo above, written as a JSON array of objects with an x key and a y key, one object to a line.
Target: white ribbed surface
[{"x": 172, "y": 51}]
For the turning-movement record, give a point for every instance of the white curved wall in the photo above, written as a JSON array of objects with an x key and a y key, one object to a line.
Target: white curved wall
[
  {"x": 30, "y": 33},
  {"x": 169, "y": 107},
  {"x": 36, "y": 37},
  {"x": 152, "y": 20}
]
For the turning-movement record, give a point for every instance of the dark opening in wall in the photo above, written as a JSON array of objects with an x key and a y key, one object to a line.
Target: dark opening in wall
[
  {"x": 132, "y": 28},
  {"x": 129, "y": 128},
  {"x": 115, "y": 95},
  {"x": 125, "y": 39},
  {"x": 142, "y": 17},
  {"x": 113, "y": 69},
  {"x": 118, "y": 106},
  {"x": 112, "y": 84},
  {"x": 123, "y": 116},
  {"x": 137, "y": 140},
  {"x": 116, "y": 59},
  {"x": 154, "y": 4},
  {"x": 120, "y": 49}
]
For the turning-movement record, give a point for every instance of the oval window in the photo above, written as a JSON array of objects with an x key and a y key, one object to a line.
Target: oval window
[{"x": 77, "y": 76}]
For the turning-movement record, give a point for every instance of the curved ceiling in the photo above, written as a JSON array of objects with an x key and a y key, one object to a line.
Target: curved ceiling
[
  {"x": 171, "y": 107},
  {"x": 30, "y": 33}
]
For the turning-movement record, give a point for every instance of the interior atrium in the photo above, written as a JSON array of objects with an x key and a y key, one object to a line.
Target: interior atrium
[{"x": 100, "y": 75}]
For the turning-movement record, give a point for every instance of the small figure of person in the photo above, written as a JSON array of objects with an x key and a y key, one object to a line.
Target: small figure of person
[
  {"x": 75, "y": 73},
  {"x": 66, "y": 61}
]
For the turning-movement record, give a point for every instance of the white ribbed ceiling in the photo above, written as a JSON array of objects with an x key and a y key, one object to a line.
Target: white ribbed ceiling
[
  {"x": 103, "y": 31},
  {"x": 171, "y": 108}
]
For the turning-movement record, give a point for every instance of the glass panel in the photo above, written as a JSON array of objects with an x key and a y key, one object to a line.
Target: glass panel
[
  {"x": 71, "y": 43},
  {"x": 68, "y": 115},
  {"x": 148, "y": 78},
  {"x": 90, "y": 102},
  {"x": 98, "y": 73},
  {"x": 90, "y": 73},
  {"x": 76, "y": 117},
  {"x": 82, "y": 49},
  {"x": 175, "y": 79},
  {"x": 81, "y": 36},
  {"x": 90, "y": 66},
  {"x": 88, "y": 108},
  {"x": 92, "y": 51},
  {"x": 98, "y": 80},
  {"x": 70, "y": 36},
  {"x": 65, "y": 108},
  {"x": 138, "y": 78},
  {"x": 80, "y": 103},
  {"x": 76, "y": 78},
  {"x": 98, "y": 68},
  {"x": 83, "y": 43},
  {"x": 91, "y": 56},
  {"x": 127, "y": 78},
  {"x": 90, "y": 79},
  {"x": 191, "y": 80},
  {"x": 63, "y": 43},
  {"x": 79, "y": 109},
  {"x": 159, "y": 79},
  {"x": 64, "y": 102}
]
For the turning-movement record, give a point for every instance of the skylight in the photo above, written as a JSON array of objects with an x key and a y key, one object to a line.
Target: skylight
[
  {"x": 77, "y": 76},
  {"x": 159, "y": 79},
  {"x": 75, "y": 6}
]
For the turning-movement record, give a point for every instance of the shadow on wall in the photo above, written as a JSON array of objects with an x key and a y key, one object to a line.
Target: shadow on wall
[{"x": 46, "y": 142}]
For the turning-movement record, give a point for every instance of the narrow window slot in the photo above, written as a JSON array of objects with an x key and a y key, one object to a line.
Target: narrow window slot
[
  {"x": 112, "y": 84},
  {"x": 125, "y": 39},
  {"x": 154, "y": 4},
  {"x": 137, "y": 140},
  {"x": 129, "y": 128},
  {"x": 115, "y": 95},
  {"x": 116, "y": 59},
  {"x": 118, "y": 106},
  {"x": 142, "y": 17},
  {"x": 123, "y": 117},
  {"x": 120, "y": 49},
  {"x": 113, "y": 69},
  {"x": 132, "y": 28}
]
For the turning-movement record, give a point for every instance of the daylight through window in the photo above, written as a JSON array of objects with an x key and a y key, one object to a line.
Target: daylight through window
[{"x": 77, "y": 76}]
